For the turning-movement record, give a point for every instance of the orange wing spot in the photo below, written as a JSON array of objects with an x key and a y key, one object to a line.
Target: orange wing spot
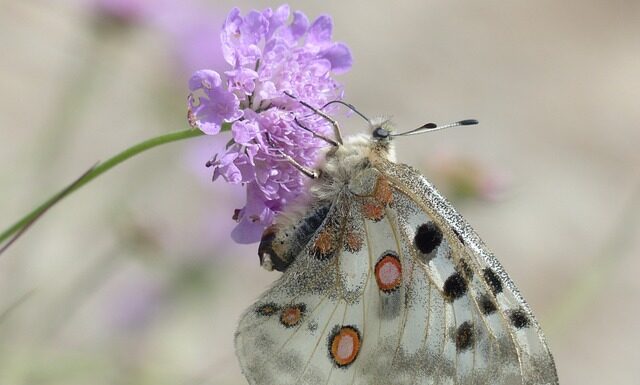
[
  {"x": 383, "y": 193},
  {"x": 323, "y": 245},
  {"x": 292, "y": 315},
  {"x": 353, "y": 242},
  {"x": 388, "y": 273},
  {"x": 373, "y": 211},
  {"x": 344, "y": 345}
]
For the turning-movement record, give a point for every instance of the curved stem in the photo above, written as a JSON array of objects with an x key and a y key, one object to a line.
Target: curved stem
[{"x": 96, "y": 171}]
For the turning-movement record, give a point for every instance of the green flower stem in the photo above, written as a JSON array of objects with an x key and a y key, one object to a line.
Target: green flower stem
[{"x": 98, "y": 170}]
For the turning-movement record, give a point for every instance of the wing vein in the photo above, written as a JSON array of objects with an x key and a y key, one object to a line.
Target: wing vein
[{"x": 315, "y": 348}]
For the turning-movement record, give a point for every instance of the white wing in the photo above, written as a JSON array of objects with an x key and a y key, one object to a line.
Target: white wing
[
  {"x": 509, "y": 346},
  {"x": 393, "y": 288}
]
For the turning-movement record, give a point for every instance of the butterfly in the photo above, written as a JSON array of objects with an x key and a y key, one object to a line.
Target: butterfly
[{"x": 384, "y": 283}]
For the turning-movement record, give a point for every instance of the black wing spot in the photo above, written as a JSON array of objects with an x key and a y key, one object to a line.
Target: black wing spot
[
  {"x": 455, "y": 286},
  {"x": 464, "y": 336},
  {"x": 428, "y": 237},
  {"x": 519, "y": 319},
  {"x": 487, "y": 306},
  {"x": 492, "y": 279}
]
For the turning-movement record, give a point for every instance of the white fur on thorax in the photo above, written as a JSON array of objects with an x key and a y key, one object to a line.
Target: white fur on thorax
[
  {"x": 338, "y": 166},
  {"x": 343, "y": 163}
]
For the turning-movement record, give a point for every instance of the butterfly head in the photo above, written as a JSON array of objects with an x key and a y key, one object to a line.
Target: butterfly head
[
  {"x": 379, "y": 142},
  {"x": 381, "y": 130}
]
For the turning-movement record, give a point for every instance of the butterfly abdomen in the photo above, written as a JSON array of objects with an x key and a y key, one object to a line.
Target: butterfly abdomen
[{"x": 281, "y": 242}]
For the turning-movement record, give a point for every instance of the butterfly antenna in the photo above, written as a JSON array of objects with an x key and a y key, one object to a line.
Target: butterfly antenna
[
  {"x": 434, "y": 127},
  {"x": 334, "y": 123},
  {"x": 348, "y": 105}
]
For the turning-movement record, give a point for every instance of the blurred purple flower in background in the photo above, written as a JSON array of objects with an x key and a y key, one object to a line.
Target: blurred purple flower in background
[
  {"x": 270, "y": 53},
  {"x": 123, "y": 11},
  {"x": 189, "y": 27},
  {"x": 134, "y": 297},
  {"x": 192, "y": 31}
]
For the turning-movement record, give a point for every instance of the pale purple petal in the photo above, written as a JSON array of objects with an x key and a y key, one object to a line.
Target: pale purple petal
[
  {"x": 206, "y": 79},
  {"x": 242, "y": 79},
  {"x": 247, "y": 232},
  {"x": 340, "y": 57},
  {"x": 320, "y": 31},
  {"x": 299, "y": 25},
  {"x": 320, "y": 67},
  {"x": 252, "y": 219},
  {"x": 210, "y": 103},
  {"x": 276, "y": 19},
  {"x": 244, "y": 131}
]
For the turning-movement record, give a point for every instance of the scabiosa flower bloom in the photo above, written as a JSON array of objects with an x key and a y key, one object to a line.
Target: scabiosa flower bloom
[{"x": 270, "y": 53}]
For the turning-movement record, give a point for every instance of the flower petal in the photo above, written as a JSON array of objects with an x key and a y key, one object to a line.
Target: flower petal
[
  {"x": 340, "y": 57},
  {"x": 320, "y": 31},
  {"x": 244, "y": 131},
  {"x": 208, "y": 79}
]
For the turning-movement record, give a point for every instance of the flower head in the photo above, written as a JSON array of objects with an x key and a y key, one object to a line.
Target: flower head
[{"x": 270, "y": 53}]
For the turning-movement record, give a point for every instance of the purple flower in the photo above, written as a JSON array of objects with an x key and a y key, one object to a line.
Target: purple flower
[
  {"x": 270, "y": 53},
  {"x": 191, "y": 29},
  {"x": 210, "y": 102},
  {"x": 188, "y": 27}
]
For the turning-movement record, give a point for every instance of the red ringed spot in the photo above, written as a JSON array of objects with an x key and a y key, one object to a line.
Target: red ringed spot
[
  {"x": 344, "y": 345},
  {"x": 292, "y": 315},
  {"x": 388, "y": 272}
]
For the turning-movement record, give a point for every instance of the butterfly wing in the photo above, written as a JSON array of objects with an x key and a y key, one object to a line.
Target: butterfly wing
[
  {"x": 392, "y": 288},
  {"x": 497, "y": 339}
]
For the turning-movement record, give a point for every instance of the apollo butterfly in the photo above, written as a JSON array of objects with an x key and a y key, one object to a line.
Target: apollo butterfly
[{"x": 384, "y": 283}]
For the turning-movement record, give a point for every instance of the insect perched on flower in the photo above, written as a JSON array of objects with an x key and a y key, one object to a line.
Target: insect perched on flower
[{"x": 384, "y": 283}]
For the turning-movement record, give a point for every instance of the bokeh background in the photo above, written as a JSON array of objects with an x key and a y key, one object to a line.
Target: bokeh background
[{"x": 134, "y": 279}]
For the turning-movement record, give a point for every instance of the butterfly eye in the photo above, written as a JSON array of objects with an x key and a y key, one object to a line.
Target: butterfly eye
[{"x": 380, "y": 133}]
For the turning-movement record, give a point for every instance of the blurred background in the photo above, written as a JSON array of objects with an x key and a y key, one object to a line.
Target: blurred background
[{"x": 135, "y": 280}]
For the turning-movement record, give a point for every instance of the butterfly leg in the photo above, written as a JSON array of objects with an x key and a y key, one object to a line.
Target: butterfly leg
[
  {"x": 313, "y": 174},
  {"x": 315, "y": 134},
  {"x": 334, "y": 123}
]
